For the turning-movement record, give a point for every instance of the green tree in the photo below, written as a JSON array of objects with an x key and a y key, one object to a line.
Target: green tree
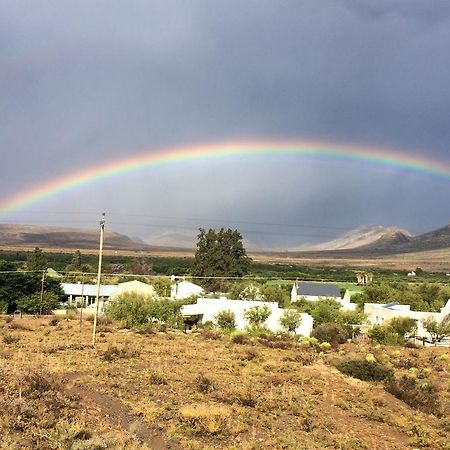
[
  {"x": 257, "y": 315},
  {"x": 437, "y": 330},
  {"x": 15, "y": 284},
  {"x": 32, "y": 304},
  {"x": 226, "y": 320},
  {"x": 219, "y": 254},
  {"x": 277, "y": 293},
  {"x": 76, "y": 260},
  {"x": 326, "y": 310},
  {"x": 246, "y": 291},
  {"x": 291, "y": 319},
  {"x": 37, "y": 260},
  {"x": 162, "y": 286}
]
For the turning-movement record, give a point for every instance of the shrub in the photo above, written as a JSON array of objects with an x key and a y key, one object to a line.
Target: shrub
[
  {"x": 130, "y": 309},
  {"x": 291, "y": 320},
  {"x": 33, "y": 303},
  {"x": 304, "y": 357},
  {"x": 204, "y": 384},
  {"x": 330, "y": 332},
  {"x": 10, "y": 339},
  {"x": 211, "y": 334},
  {"x": 240, "y": 338},
  {"x": 364, "y": 370},
  {"x": 157, "y": 378},
  {"x": 275, "y": 343},
  {"x": 421, "y": 395},
  {"x": 226, "y": 320},
  {"x": 206, "y": 419},
  {"x": 53, "y": 322},
  {"x": 113, "y": 353},
  {"x": 257, "y": 315}
]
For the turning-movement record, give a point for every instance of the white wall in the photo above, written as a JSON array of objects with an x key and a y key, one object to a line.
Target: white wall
[{"x": 210, "y": 307}]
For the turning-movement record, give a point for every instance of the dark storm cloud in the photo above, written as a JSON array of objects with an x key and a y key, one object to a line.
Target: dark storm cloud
[{"x": 80, "y": 85}]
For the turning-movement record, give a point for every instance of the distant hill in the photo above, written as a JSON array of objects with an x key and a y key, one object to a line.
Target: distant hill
[
  {"x": 58, "y": 237},
  {"x": 433, "y": 240},
  {"x": 362, "y": 237}
]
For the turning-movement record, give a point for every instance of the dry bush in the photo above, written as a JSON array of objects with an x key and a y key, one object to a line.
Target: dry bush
[
  {"x": 204, "y": 384},
  {"x": 14, "y": 325},
  {"x": 246, "y": 396},
  {"x": 10, "y": 339},
  {"x": 241, "y": 339},
  {"x": 113, "y": 353},
  {"x": 72, "y": 314},
  {"x": 303, "y": 357},
  {"x": 101, "y": 320},
  {"x": 54, "y": 321},
  {"x": 419, "y": 394},
  {"x": 275, "y": 343},
  {"x": 207, "y": 419},
  {"x": 249, "y": 355},
  {"x": 211, "y": 334},
  {"x": 157, "y": 378}
]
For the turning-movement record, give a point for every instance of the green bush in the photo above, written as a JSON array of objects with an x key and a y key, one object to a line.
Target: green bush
[
  {"x": 291, "y": 320},
  {"x": 135, "y": 310},
  {"x": 226, "y": 320},
  {"x": 330, "y": 332},
  {"x": 364, "y": 370},
  {"x": 33, "y": 304},
  {"x": 257, "y": 315}
]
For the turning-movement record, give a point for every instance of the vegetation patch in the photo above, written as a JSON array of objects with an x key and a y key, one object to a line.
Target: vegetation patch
[
  {"x": 364, "y": 370},
  {"x": 417, "y": 393}
]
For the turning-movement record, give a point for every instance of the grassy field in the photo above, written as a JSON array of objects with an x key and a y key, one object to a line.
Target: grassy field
[{"x": 166, "y": 389}]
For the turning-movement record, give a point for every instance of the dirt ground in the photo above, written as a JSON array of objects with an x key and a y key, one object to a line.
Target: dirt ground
[{"x": 205, "y": 390}]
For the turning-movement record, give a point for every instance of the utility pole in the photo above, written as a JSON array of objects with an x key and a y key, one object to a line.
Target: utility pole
[
  {"x": 82, "y": 301},
  {"x": 41, "y": 300},
  {"x": 99, "y": 274}
]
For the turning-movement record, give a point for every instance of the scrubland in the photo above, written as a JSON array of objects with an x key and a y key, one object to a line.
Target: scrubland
[{"x": 153, "y": 389}]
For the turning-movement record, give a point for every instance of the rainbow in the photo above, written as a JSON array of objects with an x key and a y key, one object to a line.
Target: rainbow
[{"x": 381, "y": 157}]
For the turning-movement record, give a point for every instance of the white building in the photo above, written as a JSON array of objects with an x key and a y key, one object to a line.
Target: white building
[
  {"x": 135, "y": 286},
  {"x": 75, "y": 293},
  {"x": 378, "y": 313},
  {"x": 184, "y": 289},
  {"x": 208, "y": 308},
  {"x": 314, "y": 292}
]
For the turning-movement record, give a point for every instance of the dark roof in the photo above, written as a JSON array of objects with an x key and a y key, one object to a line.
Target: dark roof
[{"x": 318, "y": 289}]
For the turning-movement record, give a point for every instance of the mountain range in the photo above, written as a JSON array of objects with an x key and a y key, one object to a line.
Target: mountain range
[{"x": 368, "y": 239}]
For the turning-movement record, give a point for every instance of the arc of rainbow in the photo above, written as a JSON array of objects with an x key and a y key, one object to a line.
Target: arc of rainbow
[{"x": 391, "y": 158}]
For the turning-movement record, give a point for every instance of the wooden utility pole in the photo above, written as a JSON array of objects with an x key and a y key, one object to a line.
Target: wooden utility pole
[
  {"x": 41, "y": 300},
  {"x": 99, "y": 274},
  {"x": 82, "y": 301}
]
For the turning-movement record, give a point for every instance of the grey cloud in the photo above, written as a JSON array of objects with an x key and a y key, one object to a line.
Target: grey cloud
[{"x": 83, "y": 85}]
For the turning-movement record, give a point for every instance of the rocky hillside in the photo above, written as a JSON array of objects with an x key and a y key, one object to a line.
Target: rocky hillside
[
  {"x": 363, "y": 237},
  {"x": 56, "y": 237}
]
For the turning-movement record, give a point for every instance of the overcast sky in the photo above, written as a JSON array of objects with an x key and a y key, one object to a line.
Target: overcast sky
[{"x": 85, "y": 82}]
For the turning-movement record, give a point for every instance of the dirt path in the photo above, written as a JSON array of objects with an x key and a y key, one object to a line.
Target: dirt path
[{"x": 117, "y": 413}]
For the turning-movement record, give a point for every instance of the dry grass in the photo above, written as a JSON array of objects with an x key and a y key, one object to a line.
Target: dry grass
[{"x": 132, "y": 390}]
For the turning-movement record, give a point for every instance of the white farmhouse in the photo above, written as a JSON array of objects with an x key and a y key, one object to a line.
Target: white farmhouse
[
  {"x": 184, "y": 289},
  {"x": 378, "y": 313},
  {"x": 314, "y": 292},
  {"x": 208, "y": 308},
  {"x": 87, "y": 293}
]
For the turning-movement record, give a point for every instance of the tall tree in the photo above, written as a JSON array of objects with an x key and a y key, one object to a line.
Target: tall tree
[
  {"x": 220, "y": 254},
  {"x": 37, "y": 260}
]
